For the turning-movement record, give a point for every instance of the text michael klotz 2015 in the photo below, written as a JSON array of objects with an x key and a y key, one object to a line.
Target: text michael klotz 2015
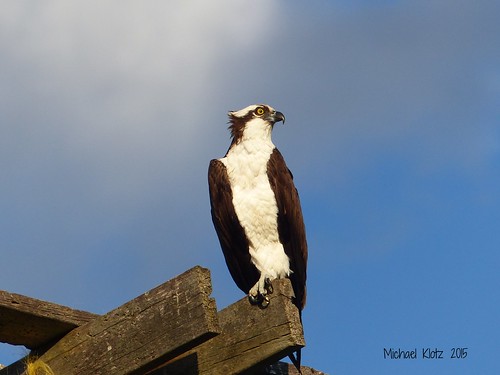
[{"x": 425, "y": 353}]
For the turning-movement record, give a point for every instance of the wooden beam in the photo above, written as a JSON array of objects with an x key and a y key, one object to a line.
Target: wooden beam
[
  {"x": 34, "y": 323},
  {"x": 142, "y": 333},
  {"x": 282, "y": 368},
  {"x": 251, "y": 338}
]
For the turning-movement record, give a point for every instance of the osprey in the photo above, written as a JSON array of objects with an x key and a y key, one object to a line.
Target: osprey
[{"x": 256, "y": 209}]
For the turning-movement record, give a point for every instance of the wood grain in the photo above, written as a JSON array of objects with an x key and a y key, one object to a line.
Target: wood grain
[
  {"x": 251, "y": 338},
  {"x": 156, "y": 326},
  {"x": 34, "y": 323}
]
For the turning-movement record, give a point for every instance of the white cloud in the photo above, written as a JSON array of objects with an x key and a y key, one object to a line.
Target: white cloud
[
  {"x": 108, "y": 108},
  {"x": 121, "y": 88}
]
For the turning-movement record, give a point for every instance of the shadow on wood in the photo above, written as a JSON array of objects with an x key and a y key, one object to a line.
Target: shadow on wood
[{"x": 33, "y": 323}]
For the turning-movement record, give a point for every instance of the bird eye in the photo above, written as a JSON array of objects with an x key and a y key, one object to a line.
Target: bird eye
[{"x": 259, "y": 111}]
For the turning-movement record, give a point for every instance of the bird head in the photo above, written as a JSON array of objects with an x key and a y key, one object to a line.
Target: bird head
[{"x": 254, "y": 121}]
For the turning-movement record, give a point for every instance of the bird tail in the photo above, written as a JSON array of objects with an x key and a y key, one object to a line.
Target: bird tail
[
  {"x": 295, "y": 358},
  {"x": 297, "y": 355}
]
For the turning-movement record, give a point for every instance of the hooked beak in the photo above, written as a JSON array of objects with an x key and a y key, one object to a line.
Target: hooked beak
[{"x": 278, "y": 116}]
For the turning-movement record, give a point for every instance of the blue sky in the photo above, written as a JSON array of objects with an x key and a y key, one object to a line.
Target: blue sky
[{"x": 111, "y": 111}]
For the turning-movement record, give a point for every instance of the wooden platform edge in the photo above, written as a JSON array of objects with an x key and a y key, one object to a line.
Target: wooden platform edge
[
  {"x": 33, "y": 323},
  {"x": 251, "y": 338},
  {"x": 283, "y": 368},
  {"x": 242, "y": 338},
  {"x": 148, "y": 330}
]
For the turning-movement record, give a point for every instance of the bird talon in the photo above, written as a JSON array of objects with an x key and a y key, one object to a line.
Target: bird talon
[
  {"x": 268, "y": 286},
  {"x": 255, "y": 300},
  {"x": 265, "y": 302}
]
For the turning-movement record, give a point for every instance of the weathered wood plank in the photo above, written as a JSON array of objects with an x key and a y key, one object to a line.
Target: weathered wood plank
[
  {"x": 282, "y": 368},
  {"x": 142, "y": 333},
  {"x": 34, "y": 323},
  {"x": 251, "y": 338}
]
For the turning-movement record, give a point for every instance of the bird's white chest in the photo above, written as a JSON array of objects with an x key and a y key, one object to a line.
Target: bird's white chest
[
  {"x": 255, "y": 205},
  {"x": 246, "y": 166}
]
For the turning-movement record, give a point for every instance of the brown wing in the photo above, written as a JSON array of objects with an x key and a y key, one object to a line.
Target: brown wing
[
  {"x": 231, "y": 235},
  {"x": 291, "y": 227}
]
